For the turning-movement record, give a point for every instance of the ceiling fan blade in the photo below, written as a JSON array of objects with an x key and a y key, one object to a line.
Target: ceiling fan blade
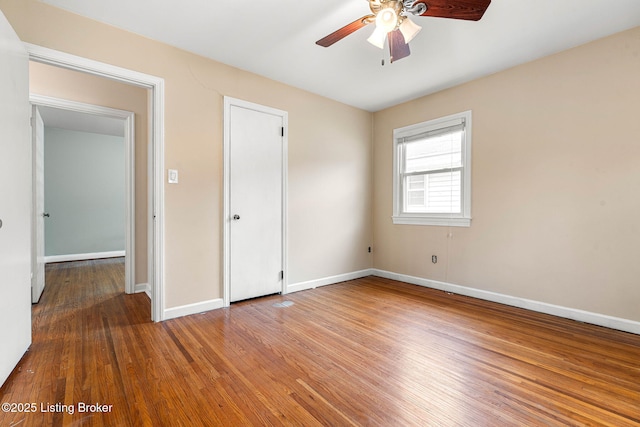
[
  {"x": 471, "y": 10},
  {"x": 398, "y": 48},
  {"x": 345, "y": 31}
]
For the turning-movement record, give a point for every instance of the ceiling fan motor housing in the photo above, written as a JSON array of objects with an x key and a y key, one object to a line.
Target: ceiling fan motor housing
[
  {"x": 378, "y": 6},
  {"x": 399, "y": 7}
]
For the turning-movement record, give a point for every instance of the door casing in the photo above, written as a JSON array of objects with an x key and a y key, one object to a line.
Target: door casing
[{"x": 155, "y": 158}]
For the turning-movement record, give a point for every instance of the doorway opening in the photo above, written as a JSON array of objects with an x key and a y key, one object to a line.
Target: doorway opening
[
  {"x": 155, "y": 155},
  {"x": 88, "y": 210}
]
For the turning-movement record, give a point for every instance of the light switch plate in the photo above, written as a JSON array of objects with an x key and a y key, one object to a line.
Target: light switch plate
[{"x": 173, "y": 176}]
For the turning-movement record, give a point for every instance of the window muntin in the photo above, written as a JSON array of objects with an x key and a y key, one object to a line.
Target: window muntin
[{"x": 432, "y": 172}]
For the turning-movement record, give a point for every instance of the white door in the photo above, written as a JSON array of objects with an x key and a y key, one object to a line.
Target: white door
[
  {"x": 15, "y": 201},
  {"x": 255, "y": 144},
  {"x": 39, "y": 215}
]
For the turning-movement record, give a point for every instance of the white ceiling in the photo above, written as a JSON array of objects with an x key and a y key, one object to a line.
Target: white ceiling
[
  {"x": 81, "y": 122},
  {"x": 276, "y": 39}
]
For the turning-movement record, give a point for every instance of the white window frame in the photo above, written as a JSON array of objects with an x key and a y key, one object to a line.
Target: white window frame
[{"x": 462, "y": 219}]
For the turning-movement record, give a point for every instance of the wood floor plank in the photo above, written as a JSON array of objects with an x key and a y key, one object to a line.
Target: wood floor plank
[{"x": 366, "y": 352}]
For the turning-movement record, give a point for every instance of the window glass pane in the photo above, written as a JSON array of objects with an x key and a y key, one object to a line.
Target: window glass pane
[
  {"x": 434, "y": 153},
  {"x": 415, "y": 197},
  {"x": 416, "y": 182},
  {"x": 441, "y": 193}
]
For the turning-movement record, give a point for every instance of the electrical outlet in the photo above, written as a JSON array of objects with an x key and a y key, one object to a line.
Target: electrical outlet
[{"x": 434, "y": 259}]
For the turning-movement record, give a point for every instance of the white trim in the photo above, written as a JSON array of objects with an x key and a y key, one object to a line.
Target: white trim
[
  {"x": 430, "y": 125},
  {"x": 541, "y": 307},
  {"x": 420, "y": 220},
  {"x": 129, "y": 158},
  {"x": 226, "y": 229},
  {"x": 312, "y": 284},
  {"x": 80, "y": 107},
  {"x": 189, "y": 309},
  {"x": 142, "y": 287},
  {"x": 156, "y": 153},
  {"x": 285, "y": 203},
  {"x": 61, "y": 59},
  {"x": 83, "y": 257}
]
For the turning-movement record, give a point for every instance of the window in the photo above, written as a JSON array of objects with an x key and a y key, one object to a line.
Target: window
[{"x": 432, "y": 172}]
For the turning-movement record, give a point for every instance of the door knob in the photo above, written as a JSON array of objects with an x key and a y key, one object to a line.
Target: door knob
[
  {"x": 46, "y": 215},
  {"x": 236, "y": 217}
]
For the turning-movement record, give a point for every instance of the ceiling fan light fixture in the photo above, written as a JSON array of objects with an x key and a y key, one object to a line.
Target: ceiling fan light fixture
[
  {"x": 409, "y": 29},
  {"x": 387, "y": 19},
  {"x": 378, "y": 37}
]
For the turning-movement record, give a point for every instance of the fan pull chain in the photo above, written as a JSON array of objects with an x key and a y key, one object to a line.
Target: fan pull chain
[{"x": 382, "y": 61}]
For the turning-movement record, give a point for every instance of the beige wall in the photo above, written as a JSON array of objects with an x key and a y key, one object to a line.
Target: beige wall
[
  {"x": 329, "y": 154},
  {"x": 72, "y": 85},
  {"x": 555, "y": 175}
]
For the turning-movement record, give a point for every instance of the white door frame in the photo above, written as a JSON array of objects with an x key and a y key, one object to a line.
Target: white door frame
[
  {"x": 155, "y": 156},
  {"x": 129, "y": 159},
  {"x": 228, "y": 103}
]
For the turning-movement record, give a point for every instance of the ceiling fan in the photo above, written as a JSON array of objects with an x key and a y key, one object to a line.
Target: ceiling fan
[{"x": 392, "y": 21}]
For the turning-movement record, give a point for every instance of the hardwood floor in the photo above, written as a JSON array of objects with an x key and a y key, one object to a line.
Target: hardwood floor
[{"x": 365, "y": 352}]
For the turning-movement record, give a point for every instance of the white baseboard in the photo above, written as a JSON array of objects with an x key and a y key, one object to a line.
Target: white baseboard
[
  {"x": 200, "y": 307},
  {"x": 312, "y": 284},
  {"x": 83, "y": 257},
  {"x": 142, "y": 287},
  {"x": 186, "y": 310},
  {"x": 541, "y": 307}
]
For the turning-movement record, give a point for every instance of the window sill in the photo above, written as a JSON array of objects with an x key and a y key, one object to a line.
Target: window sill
[{"x": 421, "y": 220}]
